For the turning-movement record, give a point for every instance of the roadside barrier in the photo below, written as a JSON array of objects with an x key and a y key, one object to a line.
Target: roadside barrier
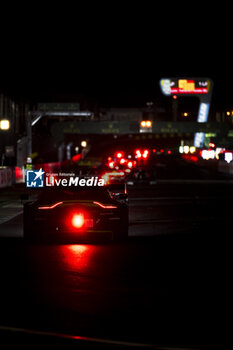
[{"x": 6, "y": 177}]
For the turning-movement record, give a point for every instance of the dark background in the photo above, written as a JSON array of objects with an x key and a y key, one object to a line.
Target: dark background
[{"x": 115, "y": 54}]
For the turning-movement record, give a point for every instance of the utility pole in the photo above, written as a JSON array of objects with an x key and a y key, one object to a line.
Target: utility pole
[
  {"x": 1, "y": 105},
  {"x": 29, "y": 134}
]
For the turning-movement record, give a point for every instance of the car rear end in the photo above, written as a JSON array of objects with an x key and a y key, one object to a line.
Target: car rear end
[{"x": 75, "y": 220}]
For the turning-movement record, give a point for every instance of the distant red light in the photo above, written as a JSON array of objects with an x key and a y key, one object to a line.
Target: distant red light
[
  {"x": 169, "y": 152},
  {"x": 162, "y": 150},
  {"x": 130, "y": 164},
  {"x": 18, "y": 173},
  {"x": 119, "y": 154},
  {"x": 138, "y": 153},
  {"x": 145, "y": 153},
  {"x": 194, "y": 158},
  {"x": 75, "y": 158},
  {"x": 111, "y": 164}
]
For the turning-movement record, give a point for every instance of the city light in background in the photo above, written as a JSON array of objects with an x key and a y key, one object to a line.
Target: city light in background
[
  {"x": 167, "y": 125},
  {"x": 84, "y": 143},
  {"x": 4, "y": 124}
]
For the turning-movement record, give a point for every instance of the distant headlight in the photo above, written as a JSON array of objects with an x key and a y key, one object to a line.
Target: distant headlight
[{"x": 146, "y": 124}]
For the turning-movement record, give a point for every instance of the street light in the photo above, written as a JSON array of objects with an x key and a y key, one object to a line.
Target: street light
[
  {"x": 84, "y": 143},
  {"x": 4, "y": 124}
]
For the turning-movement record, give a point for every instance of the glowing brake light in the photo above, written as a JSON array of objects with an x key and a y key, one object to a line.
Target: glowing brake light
[
  {"x": 138, "y": 153},
  {"x": 119, "y": 154},
  {"x": 145, "y": 153},
  {"x": 52, "y": 206},
  {"x": 111, "y": 164},
  {"x": 77, "y": 220},
  {"x": 105, "y": 206}
]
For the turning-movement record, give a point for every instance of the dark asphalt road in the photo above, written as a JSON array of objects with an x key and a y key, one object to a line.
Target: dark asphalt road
[{"x": 167, "y": 285}]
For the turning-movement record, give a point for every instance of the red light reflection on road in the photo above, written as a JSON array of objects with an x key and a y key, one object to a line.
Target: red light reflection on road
[{"x": 77, "y": 256}]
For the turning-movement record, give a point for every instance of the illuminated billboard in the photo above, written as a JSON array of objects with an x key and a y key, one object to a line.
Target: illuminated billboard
[
  {"x": 185, "y": 86},
  {"x": 200, "y": 87}
]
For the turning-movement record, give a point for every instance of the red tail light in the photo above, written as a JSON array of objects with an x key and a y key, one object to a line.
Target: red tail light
[
  {"x": 77, "y": 157},
  {"x": 145, "y": 153},
  {"x": 111, "y": 164},
  {"x": 119, "y": 154},
  {"x": 77, "y": 220},
  {"x": 138, "y": 153}
]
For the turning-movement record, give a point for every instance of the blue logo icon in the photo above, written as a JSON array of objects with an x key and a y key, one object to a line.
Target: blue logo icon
[{"x": 35, "y": 178}]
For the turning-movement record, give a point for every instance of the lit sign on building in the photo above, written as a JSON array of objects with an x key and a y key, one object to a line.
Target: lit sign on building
[
  {"x": 184, "y": 86},
  {"x": 203, "y": 112},
  {"x": 200, "y": 87}
]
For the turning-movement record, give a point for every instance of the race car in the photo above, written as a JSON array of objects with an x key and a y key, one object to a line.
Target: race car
[{"x": 77, "y": 214}]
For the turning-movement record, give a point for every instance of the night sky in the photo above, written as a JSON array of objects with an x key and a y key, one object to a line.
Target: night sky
[{"x": 116, "y": 58}]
